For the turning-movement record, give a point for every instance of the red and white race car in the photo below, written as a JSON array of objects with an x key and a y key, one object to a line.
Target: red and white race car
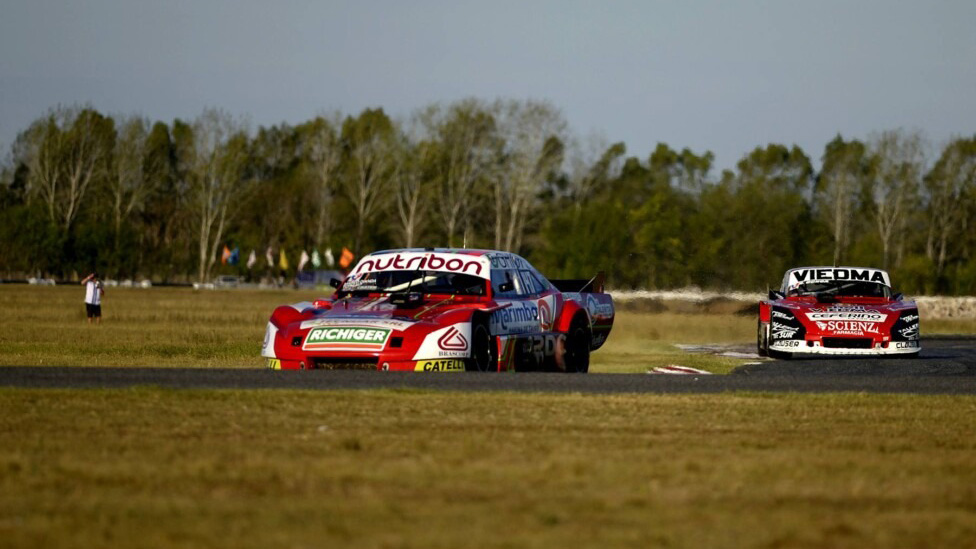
[
  {"x": 837, "y": 311},
  {"x": 444, "y": 310}
]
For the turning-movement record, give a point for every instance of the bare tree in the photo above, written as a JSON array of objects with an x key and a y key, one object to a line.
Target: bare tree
[
  {"x": 369, "y": 162},
  {"x": 533, "y": 133},
  {"x": 411, "y": 155},
  {"x": 213, "y": 163},
  {"x": 465, "y": 136},
  {"x": 324, "y": 152},
  {"x": 899, "y": 159},
  {"x": 135, "y": 175},
  {"x": 592, "y": 162},
  {"x": 837, "y": 191},
  {"x": 66, "y": 152},
  {"x": 950, "y": 184}
]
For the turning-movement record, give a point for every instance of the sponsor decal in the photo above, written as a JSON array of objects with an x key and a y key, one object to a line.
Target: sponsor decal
[
  {"x": 359, "y": 282},
  {"x": 782, "y": 331},
  {"x": 782, "y": 315},
  {"x": 449, "y": 342},
  {"x": 399, "y": 325},
  {"x": 508, "y": 261},
  {"x": 909, "y": 332},
  {"x": 910, "y": 318},
  {"x": 848, "y": 327},
  {"x": 426, "y": 261},
  {"x": 446, "y": 365},
  {"x": 545, "y": 315},
  {"x": 539, "y": 346},
  {"x": 352, "y": 338},
  {"x": 453, "y": 340},
  {"x": 866, "y": 316},
  {"x": 596, "y": 308},
  {"x": 520, "y": 317},
  {"x": 273, "y": 363},
  {"x": 906, "y": 345},
  {"x": 839, "y": 308},
  {"x": 786, "y": 343},
  {"x": 818, "y": 275}
]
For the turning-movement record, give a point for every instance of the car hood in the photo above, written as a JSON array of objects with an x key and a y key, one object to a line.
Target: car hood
[{"x": 380, "y": 312}]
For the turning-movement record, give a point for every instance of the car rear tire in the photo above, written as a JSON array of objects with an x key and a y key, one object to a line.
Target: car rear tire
[
  {"x": 577, "y": 357},
  {"x": 484, "y": 351}
]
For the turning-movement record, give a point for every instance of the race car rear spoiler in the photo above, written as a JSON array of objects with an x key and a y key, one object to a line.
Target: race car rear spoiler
[{"x": 591, "y": 286}]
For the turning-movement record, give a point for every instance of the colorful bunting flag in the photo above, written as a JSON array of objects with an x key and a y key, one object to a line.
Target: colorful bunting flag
[
  {"x": 329, "y": 259},
  {"x": 346, "y": 260},
  {"x": 225, "y": 256},
  {"x": 302, "y": 260},
  {"x": 316, "y": 259},
  {"x": 282, "y": 260},
  {"x": 252, "y": 259}
]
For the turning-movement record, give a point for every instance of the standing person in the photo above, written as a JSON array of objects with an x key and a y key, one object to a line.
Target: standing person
[{"x": 93, "y": 297}]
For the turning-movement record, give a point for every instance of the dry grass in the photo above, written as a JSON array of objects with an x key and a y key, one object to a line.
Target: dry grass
[
  {"x": 140, "y": 327},
  {"x": 151, "y": 467},
  {"x": 46, "y": 326},
  {"x": 160, "y": 468}
]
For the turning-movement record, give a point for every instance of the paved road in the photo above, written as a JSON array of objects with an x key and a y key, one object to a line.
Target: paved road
[{"x": 947, "y": 366}]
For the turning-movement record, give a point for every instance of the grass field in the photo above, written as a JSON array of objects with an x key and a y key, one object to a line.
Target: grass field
[
  {"x": 154, "y": 467},
  {"x": 161, "y": 468},
  {"x": 46, "y": 326}
]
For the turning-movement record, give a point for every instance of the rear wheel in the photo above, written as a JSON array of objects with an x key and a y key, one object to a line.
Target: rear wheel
[
  {"x": 484, "y": 352},
  {"x": 577, "y": 357}
]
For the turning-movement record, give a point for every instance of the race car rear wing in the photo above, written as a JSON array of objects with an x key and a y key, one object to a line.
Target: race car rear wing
[{"x": 591, "y": 286}]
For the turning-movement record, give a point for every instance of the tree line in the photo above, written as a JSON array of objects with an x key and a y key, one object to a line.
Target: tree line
[{"x": 133, "y": 198}]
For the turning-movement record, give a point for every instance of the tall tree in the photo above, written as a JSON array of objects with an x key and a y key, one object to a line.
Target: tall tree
[
  {"x": 66, "y": 152},
  {"x": 213, "y": 159},
  {"x": 412, "y": 162},
  {"x": 774, "y": 181},
  {"x": 951, "y": 186},
  {"x": 133, "y": 173},
  {"x": 838, "y": 189},
  {"x": 898, "y": 163},
  {"x": 368, "y": 144},
  {"x": 591, "y": 166},
  {"x": 533, "y": 134},
  {"x": 466, "y": 142},
  {"x": 324, "y": 152}
]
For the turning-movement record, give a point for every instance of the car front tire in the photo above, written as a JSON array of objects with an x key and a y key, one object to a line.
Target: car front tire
[
  {"x": 484, "y": 351},
  {"x": 762, "y": 339}
]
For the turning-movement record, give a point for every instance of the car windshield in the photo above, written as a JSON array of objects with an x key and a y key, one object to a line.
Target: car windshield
[
  {"x": 842, "y": 288},
  {"x": 428, "y": 282}
]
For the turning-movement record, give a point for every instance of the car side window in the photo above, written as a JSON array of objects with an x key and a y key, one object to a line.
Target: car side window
[
  {"x": 530, "y": 286},
  {"x": 503, "y": 276}
]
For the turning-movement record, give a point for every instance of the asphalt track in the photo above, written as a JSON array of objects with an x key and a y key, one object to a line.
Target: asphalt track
[{"x": 946, "y": 366}]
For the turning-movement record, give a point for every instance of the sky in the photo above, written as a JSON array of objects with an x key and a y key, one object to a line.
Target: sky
[{"x": 724, "y": 76}]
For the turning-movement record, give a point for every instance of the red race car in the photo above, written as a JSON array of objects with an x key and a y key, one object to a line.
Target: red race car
[
  {"x": 444, "y": 310},
  {"x": 837, "y": 311}
]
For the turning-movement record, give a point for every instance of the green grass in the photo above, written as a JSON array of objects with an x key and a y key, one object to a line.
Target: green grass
[{"x": 162, "y": 468}]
